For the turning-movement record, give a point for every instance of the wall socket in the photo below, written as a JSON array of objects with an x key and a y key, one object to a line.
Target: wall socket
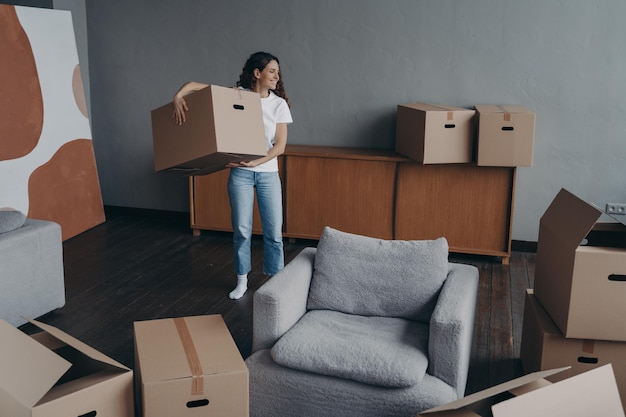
[{"x": 616, "y": 208}]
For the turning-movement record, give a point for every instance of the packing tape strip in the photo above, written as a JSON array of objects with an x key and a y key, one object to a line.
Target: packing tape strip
[
  {"x": 197, "y": 375},
  {"x": 238, "y": 95},
  {"x": 507, "y": 115}
]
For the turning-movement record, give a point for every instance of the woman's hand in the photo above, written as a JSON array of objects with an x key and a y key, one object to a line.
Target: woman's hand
[
  {"x": 247, "y": 164},
  {"x": 180, "y": 107}
]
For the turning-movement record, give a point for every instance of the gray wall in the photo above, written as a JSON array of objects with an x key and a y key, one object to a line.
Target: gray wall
[{"x": 348, "y": 63}]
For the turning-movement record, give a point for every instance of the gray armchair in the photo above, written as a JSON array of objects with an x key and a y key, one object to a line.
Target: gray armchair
[{"x": 362, "y": 327}]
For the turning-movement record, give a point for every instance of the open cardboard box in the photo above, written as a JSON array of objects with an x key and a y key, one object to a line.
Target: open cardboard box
[
  {"x": 580, "y": 275},
  {"x": 223, "y": 125},
  {"x": 435, "y": 133},
  {"x": 189, "y": 366},
  {"x": 593, "y": 393},
  {"x": 544, "y": 347},
  {"x": 506, "y": 135},
  {"x": 52, "y": 374}
]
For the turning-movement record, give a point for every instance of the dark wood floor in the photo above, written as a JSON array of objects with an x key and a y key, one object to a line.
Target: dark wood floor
[{"x": 142, "y": 265}]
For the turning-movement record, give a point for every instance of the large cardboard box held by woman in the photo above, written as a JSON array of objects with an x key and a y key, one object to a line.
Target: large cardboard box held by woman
[{"x": 223, "y": 125}]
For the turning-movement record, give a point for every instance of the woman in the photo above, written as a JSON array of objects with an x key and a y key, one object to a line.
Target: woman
[{"x": 261, "y": 74}]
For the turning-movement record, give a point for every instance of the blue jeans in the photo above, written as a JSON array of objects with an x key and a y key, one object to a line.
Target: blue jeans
[{"x": 241, "y": 185}]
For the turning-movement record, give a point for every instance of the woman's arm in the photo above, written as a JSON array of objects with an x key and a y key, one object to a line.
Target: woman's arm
[
  {"x": 180, "y": 105},
  {"x": 280, "y": 142}
]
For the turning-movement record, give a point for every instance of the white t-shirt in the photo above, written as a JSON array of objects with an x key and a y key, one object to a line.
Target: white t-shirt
[{"x": 275, "y": 110}]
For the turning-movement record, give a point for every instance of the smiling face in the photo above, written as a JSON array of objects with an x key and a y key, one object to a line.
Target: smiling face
[{"x": 268, "y": 78}]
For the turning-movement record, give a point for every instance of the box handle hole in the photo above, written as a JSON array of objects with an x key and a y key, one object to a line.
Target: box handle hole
[
  {"x": 450, "y": 126},
  {"x": 617, "y": 277},
  {"x": 238, "y": 107},
  {"x": 508, "y": 128},
  {"x": 89, "y": 414},
  {"x": 584, "y": 359},
  {"x": 197, "y": 403}
]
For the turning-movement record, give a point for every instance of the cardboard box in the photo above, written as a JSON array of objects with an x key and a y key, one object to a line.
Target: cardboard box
[
  {"x": 223, "y": 125},
  {"x": 592, "y": 393},
  {"x": 544, "y": 347},
  {"x": 434, "y": 133},
  {"x": 189, "y": 366},
  {"x": 506, "y": 135},
  {"x": 580, "y": 274},
  {"x": 52, "y": 374}
]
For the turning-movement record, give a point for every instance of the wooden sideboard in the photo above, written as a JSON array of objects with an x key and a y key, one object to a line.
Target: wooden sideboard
[{"x": 380, "y": 194}]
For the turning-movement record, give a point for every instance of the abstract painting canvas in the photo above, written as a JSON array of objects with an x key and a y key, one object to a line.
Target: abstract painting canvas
[{"x": 47, "y": 162}]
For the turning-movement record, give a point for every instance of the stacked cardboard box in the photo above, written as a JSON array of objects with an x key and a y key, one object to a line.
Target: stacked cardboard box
[
  {"x": 490, "y": 135},
  {"x": 435, "y": 133},
  {"x": 52, "y": 374},
  {"x": 223, "y": 125},
  {"x": 574, "y": 315},
  {"x": 545, "y": 347},
  {"x": 505, "y": 135},
  {"x": 189, "y": 366},
  {"x": 582, "y": 286}
]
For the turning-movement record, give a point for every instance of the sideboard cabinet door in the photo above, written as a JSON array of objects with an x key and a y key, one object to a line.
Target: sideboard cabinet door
[{"x": 471, "y": 206}]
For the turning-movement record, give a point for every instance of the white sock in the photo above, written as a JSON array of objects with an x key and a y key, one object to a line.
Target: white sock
[{"x": 241, "y": 288}]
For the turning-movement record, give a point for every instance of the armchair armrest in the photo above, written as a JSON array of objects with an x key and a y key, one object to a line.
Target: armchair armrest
[
  {"x": 452, "y": 327},
  {"x": 281, "y": 301}
]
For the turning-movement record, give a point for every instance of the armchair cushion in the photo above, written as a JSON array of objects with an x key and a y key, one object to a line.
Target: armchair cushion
[
  {"x": 382, "y": 351},
  {"x": 374, "y": 277},
  {"x": 11, "y": 219}
]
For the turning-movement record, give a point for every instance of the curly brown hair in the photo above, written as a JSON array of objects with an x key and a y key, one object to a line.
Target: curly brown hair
[{"x": 259, "y": 60}]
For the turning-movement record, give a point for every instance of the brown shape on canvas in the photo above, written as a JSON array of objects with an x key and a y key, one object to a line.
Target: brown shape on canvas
[
  {"x": 79, "y": 91},
  {"x": 66, "y": 189},
  {"x": 21, "y": 103}
]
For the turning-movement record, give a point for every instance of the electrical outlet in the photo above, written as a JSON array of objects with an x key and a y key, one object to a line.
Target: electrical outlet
[{"x": 616, "y": 208}]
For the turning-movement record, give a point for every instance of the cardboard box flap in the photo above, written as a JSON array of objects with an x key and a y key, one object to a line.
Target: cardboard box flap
[
  {"x": 495, "y": 390},
  {"x": 78, "y": 345},
  {"x": 545, "y": 323},
  {"x": 205, "y": 347},
  {"x": 592, "y": 393},
  {"x": 28, "y": 369},
  {"x": 570, "y": 218},
  {"x": 531, "y": 386}
]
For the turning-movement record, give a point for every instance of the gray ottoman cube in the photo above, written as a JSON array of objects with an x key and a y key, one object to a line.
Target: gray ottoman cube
[{"x": 31, "y": 271}]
